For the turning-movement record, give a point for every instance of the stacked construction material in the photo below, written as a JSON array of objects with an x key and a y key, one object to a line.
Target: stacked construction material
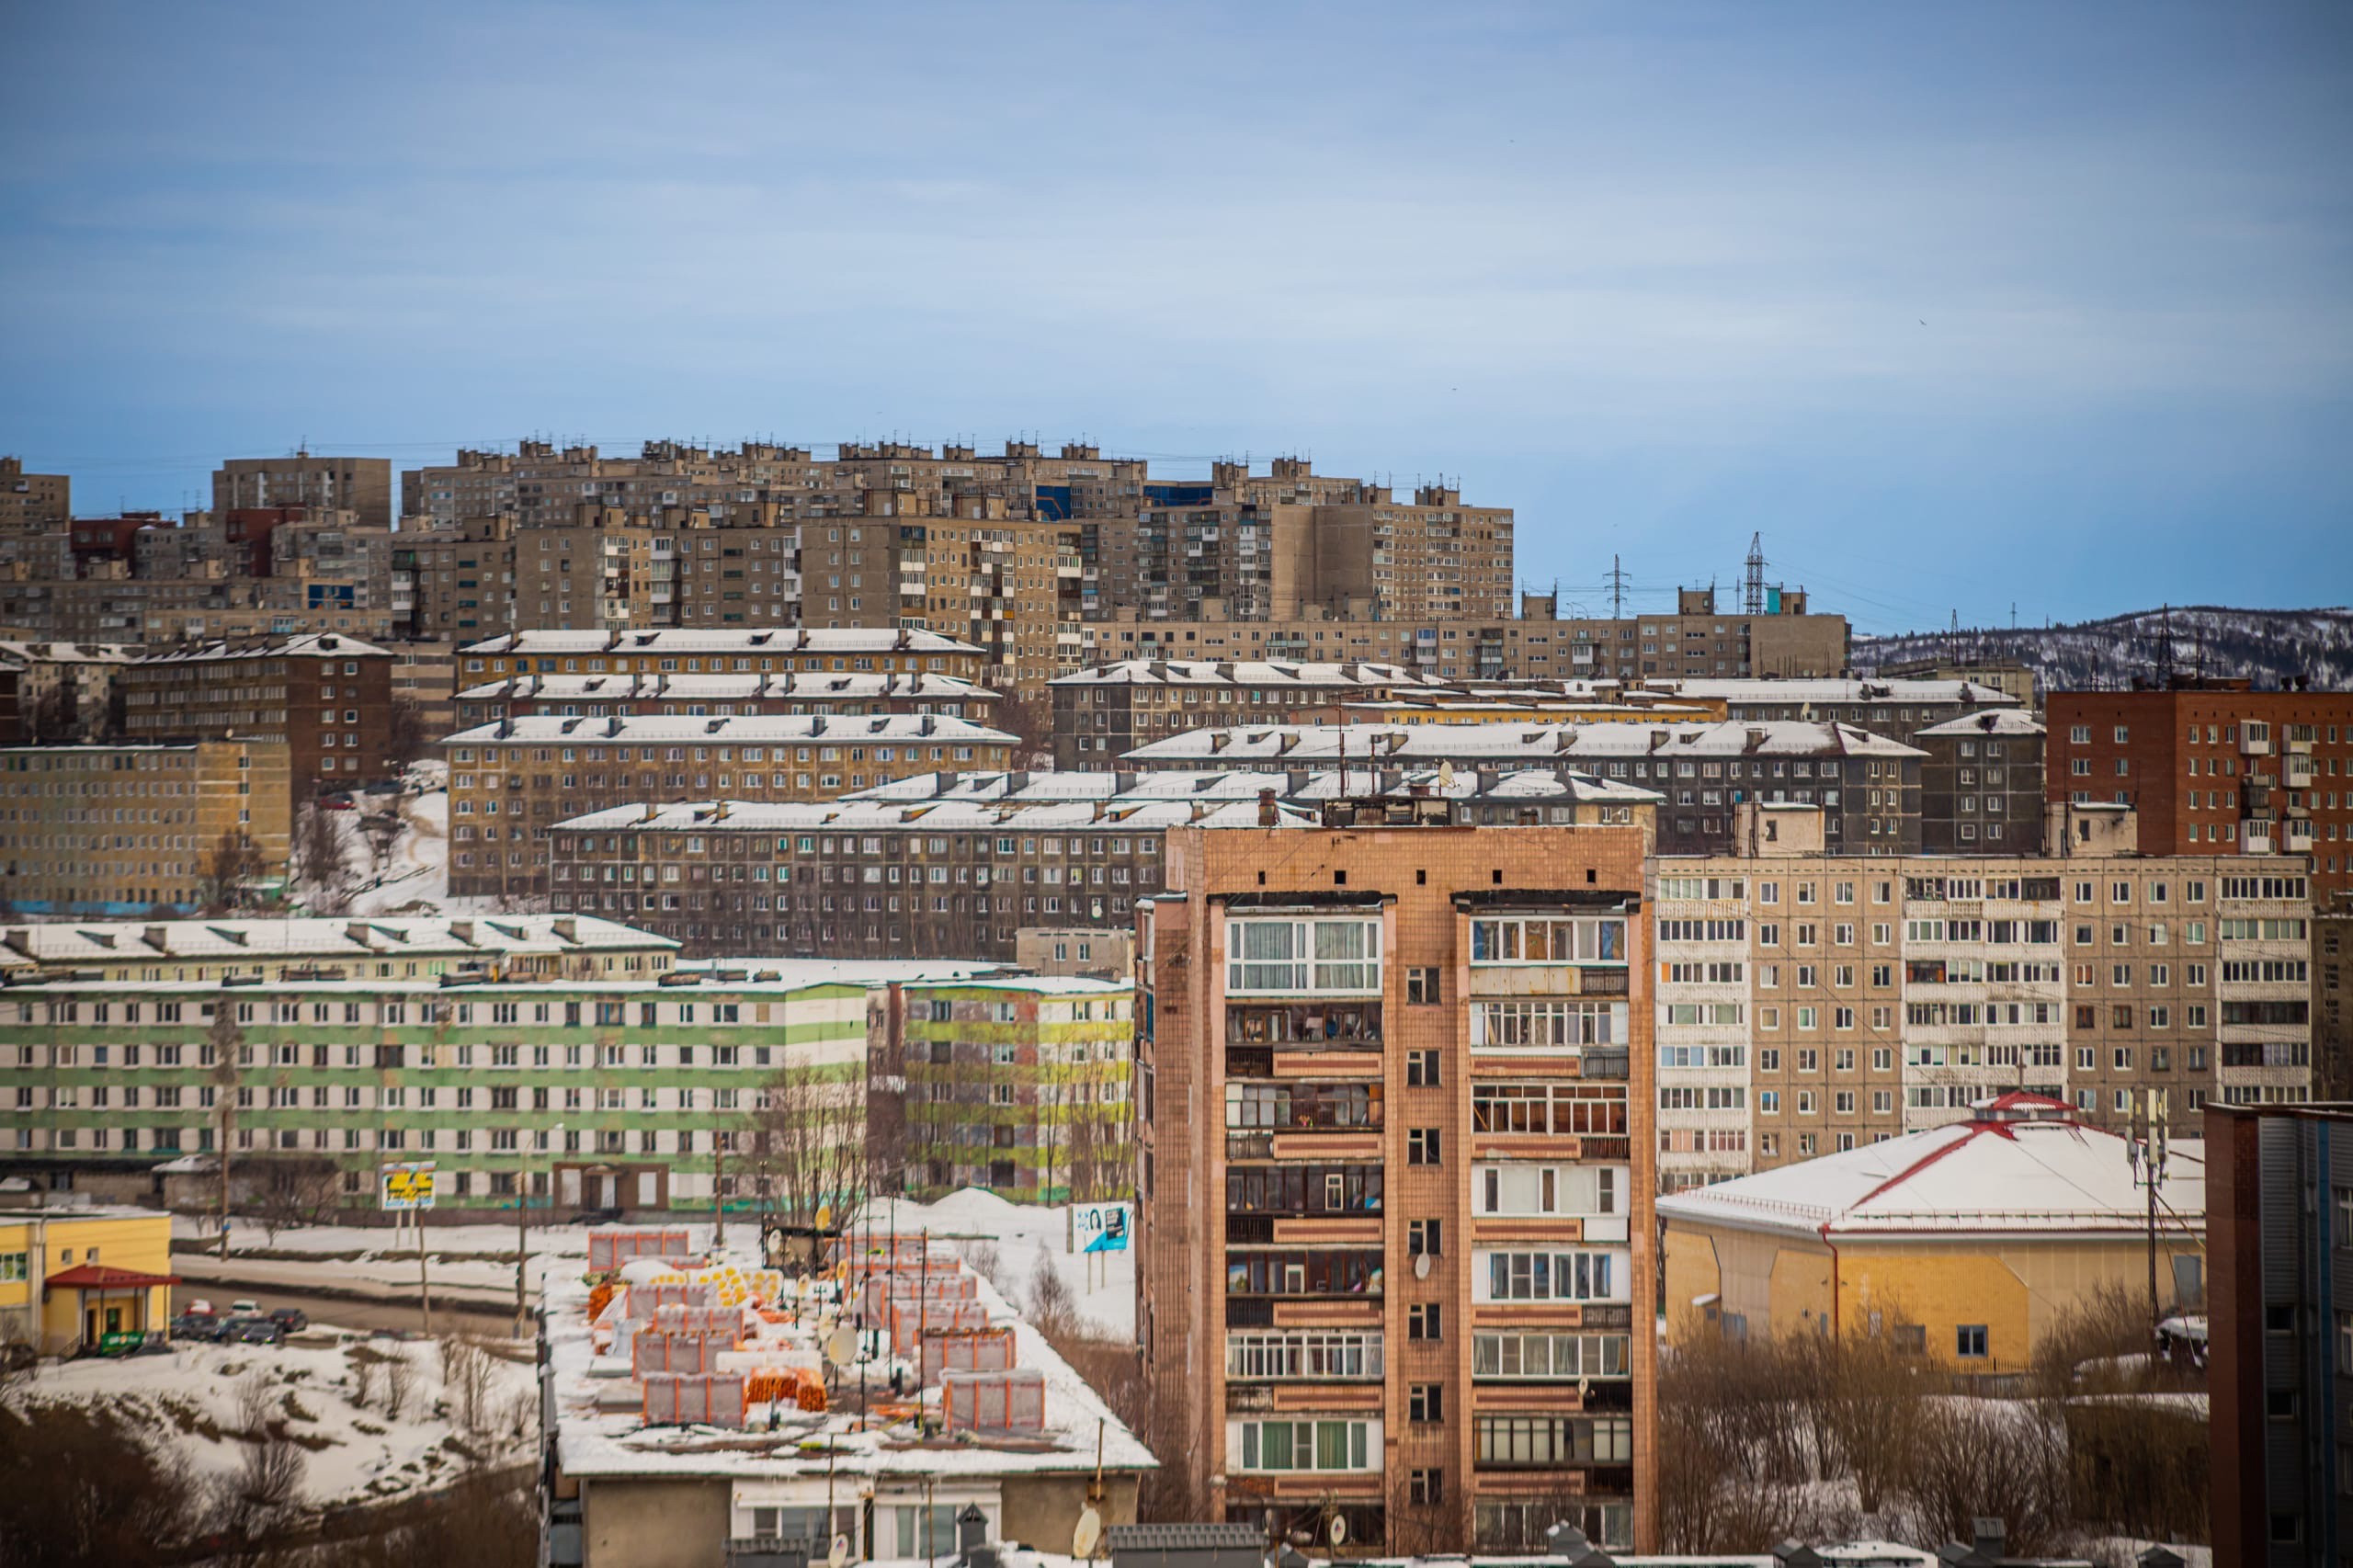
[{"x": 1013, "y": 1399}]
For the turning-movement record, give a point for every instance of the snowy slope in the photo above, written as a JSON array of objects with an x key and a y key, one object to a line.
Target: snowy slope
[{"x": 2266, "y": 646}]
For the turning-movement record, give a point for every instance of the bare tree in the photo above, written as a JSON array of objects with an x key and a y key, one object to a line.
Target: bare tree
[
  {"x": 810, "y": 1130},
  {"x": 466, "y": 1376},
  {"x": 400, "y": 1378},
  {"x": 406, "y": 738},
  {"x": 322, "y": 861},
  {"x": 1028, "y": 717},
  {"x": 292, "y": 1190},
  {"x": 230, "y": 872},
  {"x": 254, "y": 1503}
]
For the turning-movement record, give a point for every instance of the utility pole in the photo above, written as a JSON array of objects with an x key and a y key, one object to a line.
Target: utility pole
[
  {"x": 2148, "y": 1152},
  {"x": 719, "y": 1188},
  {"x": 1616, "y": 590}
]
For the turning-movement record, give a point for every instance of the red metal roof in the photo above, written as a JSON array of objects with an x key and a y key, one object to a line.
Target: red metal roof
[{"x": 98, "y": 1277}]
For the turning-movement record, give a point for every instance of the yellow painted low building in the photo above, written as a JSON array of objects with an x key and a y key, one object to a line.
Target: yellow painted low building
[
  {"x": 70, "y": 1276},
  {"x": 1964, "y": 1242}
]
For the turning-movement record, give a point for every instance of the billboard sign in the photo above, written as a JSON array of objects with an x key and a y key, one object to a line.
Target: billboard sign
[
  {"x": 406, "y": 1187},
  {"x": 1101, "y": 1227}
]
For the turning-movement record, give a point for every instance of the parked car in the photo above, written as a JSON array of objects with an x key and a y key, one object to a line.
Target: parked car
[
  {"x": 197, "y": 1308},
  {"x": 252, "y": 1331},
  {"x": 293, "y": 1320},
  {"x": 336, "y": 803},
  {"x": 199, "y": 1327},
  {"x": 244, "y": 1306}
]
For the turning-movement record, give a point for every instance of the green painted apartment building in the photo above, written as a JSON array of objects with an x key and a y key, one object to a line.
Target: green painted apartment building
[
  {"x": 1018, "y": 1084},
  {"x": 563, "y": 1059}
]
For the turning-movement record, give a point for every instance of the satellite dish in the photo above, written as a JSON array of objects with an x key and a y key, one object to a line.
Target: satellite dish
[
  {"x": 1086, "y": 1537},
  {"x": 841, "y": 1346},
  {"x": 1421, "y": 1266},
  {"x": 1339, "y": 1529},
  {"x": 840, "y": 1552}
]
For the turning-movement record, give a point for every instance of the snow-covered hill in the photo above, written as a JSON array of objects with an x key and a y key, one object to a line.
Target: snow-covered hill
[{"x": 2272, "y": 647}]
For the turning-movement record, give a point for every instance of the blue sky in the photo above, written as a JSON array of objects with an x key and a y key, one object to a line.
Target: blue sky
[{"x": 1961, "y": 306}]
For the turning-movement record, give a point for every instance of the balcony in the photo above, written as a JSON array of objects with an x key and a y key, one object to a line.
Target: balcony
[{"x": 1305, "y": 1026}]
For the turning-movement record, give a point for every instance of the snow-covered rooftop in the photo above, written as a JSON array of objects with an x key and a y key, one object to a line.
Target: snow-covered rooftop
[
  {"x": 1292, "y": 745},
  {"x": 23, "y": 652},
  {"x": 362, "y": 937},
  {"x": 2021, "y": 1165},
  {"x": 758, "y": 729},
  {"x": 1247, "y": 672},
  {"x": 315, "y": 645},
  {"x": 715, "y": 639},
  {"x": 1248, "y": 784},
  {"x": 813, "y": 686},
  {"x": 1756, "y": 689},
  {"x": 1999, "y": 722},
  {"x": 874, "y": 816}
]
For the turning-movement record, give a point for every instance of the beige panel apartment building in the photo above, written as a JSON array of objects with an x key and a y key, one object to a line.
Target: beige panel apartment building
[
  {"x": 361, "y": 485},
  {"x": 33, "y": 503},
  {"x": 111, "y": 831},
  {"x": 1396, "y": 1179},
  {"x": 1809, "y": 1003}
]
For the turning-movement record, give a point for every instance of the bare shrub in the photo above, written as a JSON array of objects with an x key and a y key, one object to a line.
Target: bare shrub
[{"x": 399, "y": 1381}]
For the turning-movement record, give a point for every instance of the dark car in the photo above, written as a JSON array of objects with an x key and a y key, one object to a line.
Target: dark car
[
  {"x": 201, "y": 1327},
  {"x": 252, "y": 1331},
  {"x": 293, "y": 1320}
]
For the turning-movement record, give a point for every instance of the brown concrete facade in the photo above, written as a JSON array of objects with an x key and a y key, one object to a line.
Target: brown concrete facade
[{"x": 1340, "y": 1262}]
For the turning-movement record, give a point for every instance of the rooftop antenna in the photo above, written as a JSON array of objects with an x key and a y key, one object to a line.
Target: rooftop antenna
[{"x": 1752, "y": 594}]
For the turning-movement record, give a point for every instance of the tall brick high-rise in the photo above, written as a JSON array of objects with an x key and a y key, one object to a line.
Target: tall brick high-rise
[
  {"x": 1395, "y": 1177},
  {"x": 2215, "y": 769}
]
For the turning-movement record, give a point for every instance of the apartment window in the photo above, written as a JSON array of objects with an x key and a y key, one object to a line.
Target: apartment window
[
  {"x": 1426, "y": 1321},
  {"x": 1426, "y": 1488},
  {"x": 1425, "y": 1236},
  {"x": 1422, "y": 1146},
  {"x": 1421, "y": 1069},
  {"x": 1970, "y": 1342},
  {"x": 1422, "y": 987},
  {"x": 1425, "y": 1404}
]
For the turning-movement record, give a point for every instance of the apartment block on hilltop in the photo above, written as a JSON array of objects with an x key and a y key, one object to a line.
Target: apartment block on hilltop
[
  {"x": 98, "y": 830},
  {"x": 31, "y": 502},
  {"x": 360, "y": 485},
  {"x": 512, "y": 781},
  {"x": 1812, "y": 1003},
  {"x": 1395, "y": 1218},
  {"x": 2211, "y": 768},
  {"x": 1018, "y": 1084}
]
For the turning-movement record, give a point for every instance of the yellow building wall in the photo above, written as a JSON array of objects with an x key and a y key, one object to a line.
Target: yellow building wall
[
  {"x": 1781, "y": 1284},
  {"x": 142, "y": 1243}
]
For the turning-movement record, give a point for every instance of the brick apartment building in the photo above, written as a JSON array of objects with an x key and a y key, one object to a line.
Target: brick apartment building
[
  {"x": 327, "y": 698},
  {"x": 63, "y": 848},
  {"x": 2214, "y": 768},
  {"x": 1396, "y": 1222},
  {"x": 690, "y": 651},
  {"x": 512, "y": 781}
]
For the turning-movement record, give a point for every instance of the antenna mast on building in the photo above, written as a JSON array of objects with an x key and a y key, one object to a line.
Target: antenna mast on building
[{"x": 1752, "y": 592}]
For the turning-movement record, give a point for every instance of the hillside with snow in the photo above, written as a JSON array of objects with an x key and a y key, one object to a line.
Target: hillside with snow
[{"x": 2271, "y": 647}]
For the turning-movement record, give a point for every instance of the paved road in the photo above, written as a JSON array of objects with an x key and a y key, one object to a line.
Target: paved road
[{"x": 351, "y": 1314}]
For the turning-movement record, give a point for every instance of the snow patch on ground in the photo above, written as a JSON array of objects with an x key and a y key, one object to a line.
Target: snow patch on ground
[
  {"x": 1102, "y": 1285},
  {"x": 190, "y": 1402}
]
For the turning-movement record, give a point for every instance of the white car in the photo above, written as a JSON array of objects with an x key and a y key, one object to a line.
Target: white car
[{"x": 244, "y": 1307}]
